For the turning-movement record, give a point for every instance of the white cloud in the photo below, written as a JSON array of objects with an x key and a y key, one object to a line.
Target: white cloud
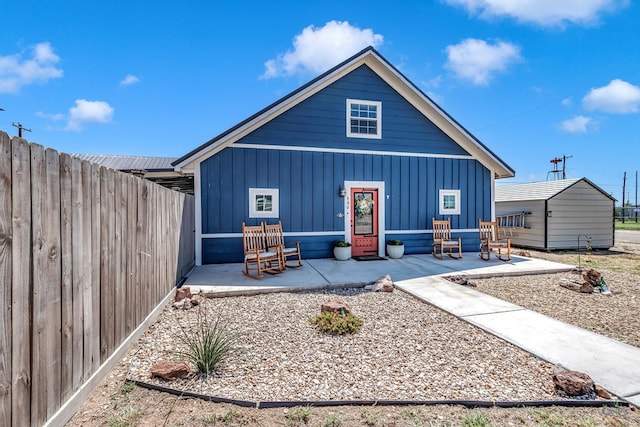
[
  {"x": 477, "y": 61},
  {"x": 129, "y": 80},
  {"x": 578, "y": 124},
  {"x": 16, "y": 71},
  {"x": 542, "y": 12},
  {"x": 567, "y": 102},
  {"x": 616, "y": 97},
  {"x": 54, "y": 117},
  {"x": 317, "y": 49},
  {"x": 88, "y": 111}
]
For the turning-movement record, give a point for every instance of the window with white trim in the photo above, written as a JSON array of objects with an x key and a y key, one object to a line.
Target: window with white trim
[
  {"x": 449, "y": 202},
  {"x": 264, "y": 203},
  {"x": 364, "y": 119}
]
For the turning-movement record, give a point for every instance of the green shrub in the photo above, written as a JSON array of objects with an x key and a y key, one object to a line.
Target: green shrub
[
  {"x": 209, "y": 342},
  {"x": 336, "y": 323}
]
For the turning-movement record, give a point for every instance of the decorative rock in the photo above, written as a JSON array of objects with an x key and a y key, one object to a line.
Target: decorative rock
[
  {"x": 383, "y": 284},
  {"x": 601, "y": 392},
  {"x": 335, "y": 306},
  {"x": 584, "y": 287},
  {"x": 572, "y": 383},
  {"x": 592, "y": 277},
  {"x": 179, "y": 304},
  {"x": 461, "y": 280},
  {"x": 170, "y": 370},
  {"x": 182, "y": 293}
]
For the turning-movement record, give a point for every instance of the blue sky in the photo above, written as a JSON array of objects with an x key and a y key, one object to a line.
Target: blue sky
[{"x": 533, "y": 79}]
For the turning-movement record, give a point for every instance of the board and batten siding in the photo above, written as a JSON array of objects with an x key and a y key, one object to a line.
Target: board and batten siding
[
  {"x": 579, "y": 210},
  {"x": 320, "y": 121},
  {"x": 308, "y": 184}
]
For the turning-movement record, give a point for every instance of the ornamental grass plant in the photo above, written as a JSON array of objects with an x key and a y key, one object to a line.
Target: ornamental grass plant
[{"x": 209, "y": 341}]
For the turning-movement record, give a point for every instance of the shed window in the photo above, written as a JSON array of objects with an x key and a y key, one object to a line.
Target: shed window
[
  {"x": 364, "y": 119},
  {"x": 264, "y": 203},
  {"x": 449, "y": 202}
]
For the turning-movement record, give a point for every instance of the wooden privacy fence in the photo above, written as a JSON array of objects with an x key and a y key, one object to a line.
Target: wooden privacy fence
[{"x": 86, "y": 253}]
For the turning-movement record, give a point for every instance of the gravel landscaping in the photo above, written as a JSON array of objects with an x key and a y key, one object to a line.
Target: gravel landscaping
[
  {"x": 405, "y": 350},
  {"x": 615, "y": 315}
]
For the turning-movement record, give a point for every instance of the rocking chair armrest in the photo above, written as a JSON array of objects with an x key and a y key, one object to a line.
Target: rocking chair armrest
[{"x": 296, "y": 244}]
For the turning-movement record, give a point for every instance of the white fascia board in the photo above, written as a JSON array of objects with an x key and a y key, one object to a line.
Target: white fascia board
[
  {"x": 437, "y": 116},
  {"x": 257, "y": 122}
]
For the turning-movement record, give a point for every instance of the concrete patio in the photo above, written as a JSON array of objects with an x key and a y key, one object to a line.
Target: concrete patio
[{"x": 227, "y": 279}]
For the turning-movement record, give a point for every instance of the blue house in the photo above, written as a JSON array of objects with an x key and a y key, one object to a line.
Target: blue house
[{"x": 359, "y": 153}]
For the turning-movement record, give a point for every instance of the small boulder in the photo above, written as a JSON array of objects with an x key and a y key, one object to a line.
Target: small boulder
[
  {"x": 572, "y": 383},
  {"x": 182, "y": 293},
  {"x": 383, "y": 284},
  {"x": 602, "y": 393},
  {"x": 461, "y": 279},
  {"x": 170, "y": 370},
  {"x": 335, "y": 306},
  {"x": 586, "y": 288},
  {"x": 592, "y": 277}
]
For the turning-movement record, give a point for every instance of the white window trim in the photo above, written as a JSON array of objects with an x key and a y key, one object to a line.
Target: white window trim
[
  {"x": 378, "y": 105},
  {"x": 456, "y": 209},
  {"x": 275, "y": 202}
]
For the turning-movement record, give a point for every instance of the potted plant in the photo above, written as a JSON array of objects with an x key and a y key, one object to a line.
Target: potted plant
[
  {"x": 342, "y": 250},
  {"x": 395, "y": 248}
]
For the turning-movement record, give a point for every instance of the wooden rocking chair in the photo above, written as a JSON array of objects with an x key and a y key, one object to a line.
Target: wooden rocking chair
[
  {"x": 490, "y": 239},
  {"x": 442, "y": 241},
  {"x": 257, "y": 257},
  {"x": 275, "y": 239}
]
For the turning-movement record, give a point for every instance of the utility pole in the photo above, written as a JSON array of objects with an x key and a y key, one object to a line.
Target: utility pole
[
  {"x": 20, "y": 129},
  {"x": 636, "y": 206},
  {"x": 564, "y": 166},
  {"x": 624, "y": 189}
]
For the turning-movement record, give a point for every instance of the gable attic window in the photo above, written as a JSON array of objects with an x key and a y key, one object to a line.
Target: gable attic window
[
  {"x": 364, "y": 119},
  {"x": 449, "y": 202},
  {"x": 264, "y": 203}
]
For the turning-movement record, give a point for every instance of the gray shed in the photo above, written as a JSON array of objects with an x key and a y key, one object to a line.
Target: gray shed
[{"x": 556, "y": 214}]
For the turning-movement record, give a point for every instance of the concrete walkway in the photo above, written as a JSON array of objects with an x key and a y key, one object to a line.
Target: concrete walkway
[{"x": 612, "y": 364}]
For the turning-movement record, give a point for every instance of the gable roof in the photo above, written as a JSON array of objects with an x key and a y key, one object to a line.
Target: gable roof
[
  {"x": 539, "y": 190},
  {"x": 391, "y": 76}
]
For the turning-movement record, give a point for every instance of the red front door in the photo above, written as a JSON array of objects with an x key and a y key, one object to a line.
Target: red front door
[{"x": 364, "y": 221}]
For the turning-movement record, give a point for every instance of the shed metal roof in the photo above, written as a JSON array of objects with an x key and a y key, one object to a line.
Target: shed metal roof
[
  {"x": 538, "y": 190},
  {"x": 155, "y": 169},
  {"x": 129, "y": 163}
]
